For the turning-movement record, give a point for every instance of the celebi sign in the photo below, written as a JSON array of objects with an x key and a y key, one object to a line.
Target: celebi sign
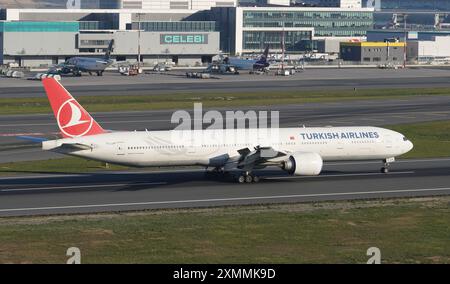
[{"x": 184, "y": 39}]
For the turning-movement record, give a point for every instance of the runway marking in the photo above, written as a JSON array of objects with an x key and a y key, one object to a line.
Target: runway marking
[
  {"x": 201, "y": 170},
  {"x": 397, "y": 115},
  {"x": 223, "y": 199},
  {"x": 81, "y": 186},
  {"x": 26, "y": 134},
  {"x": 437, "y": 113},
  {"x": 379, "y": 162},
  {"x": 373, "y": 119},
  {"x": 162, "y": 183},
  {"x": 340, "y": 175}
]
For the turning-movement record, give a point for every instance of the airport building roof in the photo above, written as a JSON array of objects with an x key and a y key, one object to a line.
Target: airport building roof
[
  {"x": 373, "y": 44},
  {"x": 301, "y": 8}
]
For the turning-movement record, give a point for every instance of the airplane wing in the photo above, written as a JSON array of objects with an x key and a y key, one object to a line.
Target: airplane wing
[
  {"x": 51, "y": 145},
  {"x": 75, "y": 146},
  {"x": 260, "y": 157}
]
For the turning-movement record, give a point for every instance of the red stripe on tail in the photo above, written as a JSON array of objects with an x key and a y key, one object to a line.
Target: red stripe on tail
[{"x": 73, "y": 120}]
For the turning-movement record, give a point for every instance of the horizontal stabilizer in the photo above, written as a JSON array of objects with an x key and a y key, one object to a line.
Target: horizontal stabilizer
[{"x": 32, "y": 139}]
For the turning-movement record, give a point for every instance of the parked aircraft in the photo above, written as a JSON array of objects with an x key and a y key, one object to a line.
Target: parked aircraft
[
  {"x": 76, "y": 65},
  {"x": 249, "y": 64}
]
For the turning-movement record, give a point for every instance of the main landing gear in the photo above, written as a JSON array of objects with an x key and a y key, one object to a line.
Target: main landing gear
[
  {"x": 220, "y": 174},
  {"x": 386, "y": 164},
  {"x": 247, "y": 177}
]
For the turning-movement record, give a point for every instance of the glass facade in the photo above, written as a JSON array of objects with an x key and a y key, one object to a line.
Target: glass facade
[
  {"x": 39, "y": 26},
  {"x": 325, "y": 23},
  {"x": 95, "y": 25},
  {"x": 89, "y": 25},
  {"x": 294, "y": 40},
  {"x": 93, "y": 42},
  {"x": 179, "y": 26},
  {"x": 439, "y": 5}
]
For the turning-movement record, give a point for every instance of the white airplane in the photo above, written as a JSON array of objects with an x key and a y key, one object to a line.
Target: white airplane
[
  {"x": 298, "y": 151},
  {"x": 249, "y": 64}
]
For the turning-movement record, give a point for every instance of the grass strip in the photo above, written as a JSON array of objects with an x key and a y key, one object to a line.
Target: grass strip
[
  {"x": 405, "y": 230},
  {"x": 9, "y": 106}
]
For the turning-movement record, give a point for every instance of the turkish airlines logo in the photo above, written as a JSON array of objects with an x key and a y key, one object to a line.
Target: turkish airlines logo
[{"x": 72, "y": 120}]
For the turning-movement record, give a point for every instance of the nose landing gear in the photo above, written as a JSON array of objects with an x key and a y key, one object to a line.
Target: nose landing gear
[{"x": 386, "y": 162}]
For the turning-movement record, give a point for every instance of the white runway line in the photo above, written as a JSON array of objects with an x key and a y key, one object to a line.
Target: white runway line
[
  {"x": 224, "y": 199},
  {"x": 438, "y": 113},
  {"x": 340, "y": 175},
  {"x": 373, "y": 119},
  {"x": 379, "y": 162},
  {"x": 81, "y": 186}
]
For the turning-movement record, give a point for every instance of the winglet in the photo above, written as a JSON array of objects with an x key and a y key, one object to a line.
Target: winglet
[
  {"x": 263, "y": 58},
  {"x": 109, "y": 49},
  {"x": 265, "y": 54},
  {"x": 73, "y": 120}
]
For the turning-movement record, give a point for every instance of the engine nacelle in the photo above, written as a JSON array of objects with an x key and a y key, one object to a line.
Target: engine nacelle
[{"x": 303, "y": 164}]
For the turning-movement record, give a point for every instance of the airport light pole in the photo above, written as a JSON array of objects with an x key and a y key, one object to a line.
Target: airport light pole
[
  {"x": 388, "y": 53},
  {"x": 283, "y": 43},
  {"x": 406, "y": 37},
  {"x": 139, "y": 42}
]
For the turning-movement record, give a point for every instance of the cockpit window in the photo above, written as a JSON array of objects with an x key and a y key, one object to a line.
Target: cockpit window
[{"x": 405, "y": 139}]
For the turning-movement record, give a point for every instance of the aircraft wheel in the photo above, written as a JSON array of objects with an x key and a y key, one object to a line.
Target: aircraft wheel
[
  {"x": 384, "y": 170},
  {"x": 248, "y": 179},
  {"x": 256, "y": 179},
  {"x": 241, "y": 179}
]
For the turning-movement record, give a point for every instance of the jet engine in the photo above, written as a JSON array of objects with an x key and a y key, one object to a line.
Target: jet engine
[{"x": 303, "y": 164}]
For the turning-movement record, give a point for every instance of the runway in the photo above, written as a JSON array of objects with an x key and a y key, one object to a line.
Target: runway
[
  {"x": 368, "y": 112},
  {"x": 123, "y": 191}
]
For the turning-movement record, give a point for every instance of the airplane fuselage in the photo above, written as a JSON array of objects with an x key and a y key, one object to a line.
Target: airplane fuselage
[
  {"x": 86, "y": 64},
  {"x": 246, "y": 64},
  {"x": 216, "y": 147}
]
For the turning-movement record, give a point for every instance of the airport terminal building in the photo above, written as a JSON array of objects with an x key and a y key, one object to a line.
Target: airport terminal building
[
  {"x": 41, "y": 44},
  {"x": 248, "y": 29},
  {"x": 187, "y": 34}
]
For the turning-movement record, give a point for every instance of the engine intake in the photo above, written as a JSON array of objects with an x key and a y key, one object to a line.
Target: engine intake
[{"x": 303, "y": 164}]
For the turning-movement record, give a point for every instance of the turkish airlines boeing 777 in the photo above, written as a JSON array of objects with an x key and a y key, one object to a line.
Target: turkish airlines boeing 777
[{"x": 299, "y": 151}]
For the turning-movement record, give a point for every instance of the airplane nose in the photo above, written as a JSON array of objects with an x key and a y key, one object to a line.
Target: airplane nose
[{"x": 409, "y": 146}]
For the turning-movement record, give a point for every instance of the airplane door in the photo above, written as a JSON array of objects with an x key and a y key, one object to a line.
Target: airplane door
[
  {"x": 191, "y": 149},
  {"x": 388, "y": 141},
  {"x": 120, "y": 148},
  {"x": 341, "y": 152}
]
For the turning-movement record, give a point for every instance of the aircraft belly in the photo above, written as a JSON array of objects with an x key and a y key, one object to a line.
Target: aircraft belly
[{"x": 163, "y": 158}]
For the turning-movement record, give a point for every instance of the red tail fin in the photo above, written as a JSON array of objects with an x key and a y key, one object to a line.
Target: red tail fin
[{"x": 73, "y": 120}]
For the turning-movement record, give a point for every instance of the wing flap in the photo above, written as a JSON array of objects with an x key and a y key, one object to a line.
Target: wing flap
[{"x": 257, "y": 158}]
